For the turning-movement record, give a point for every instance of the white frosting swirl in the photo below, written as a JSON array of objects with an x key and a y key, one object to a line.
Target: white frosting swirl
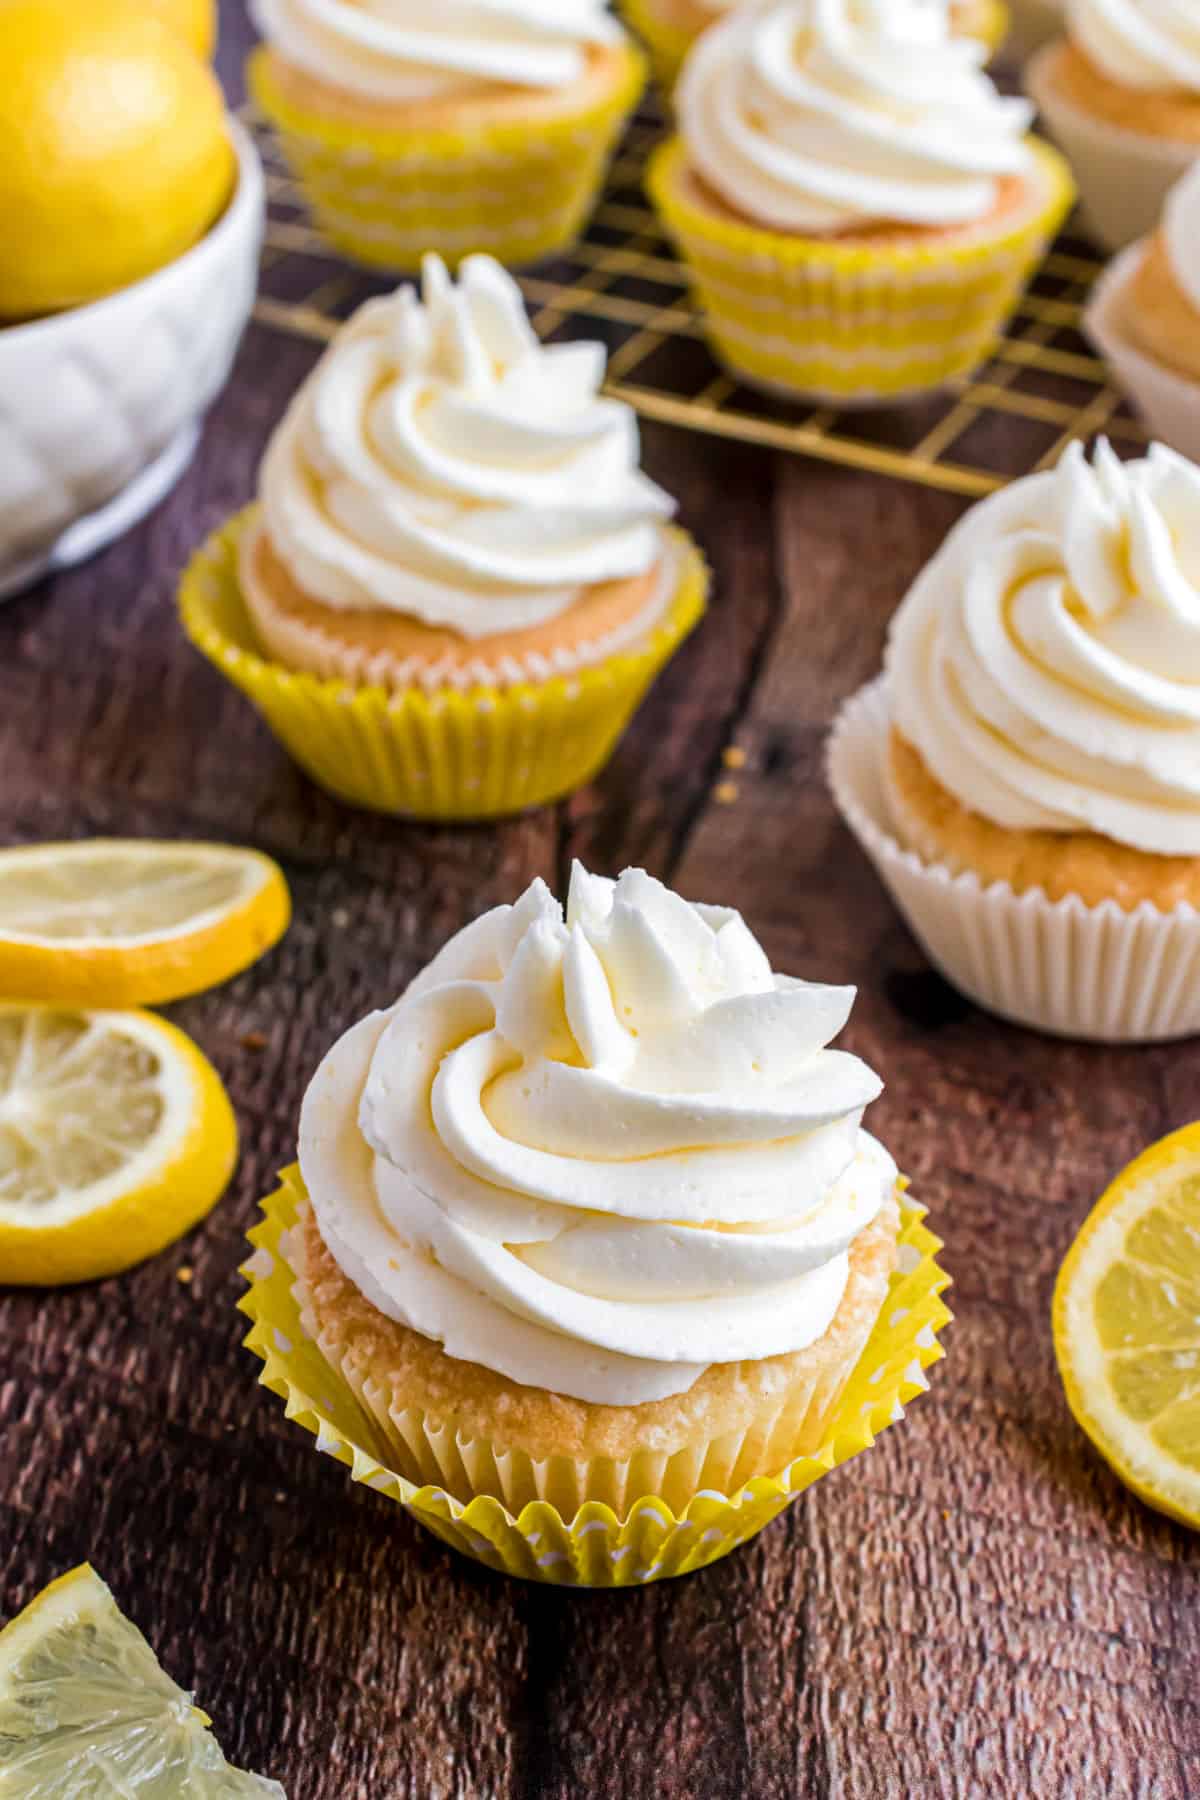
[
  {"x": 1140, "y": 43},
  {"x": 1046, "y": 664},
  {"x": 1181, "y": 232},
  {"x": 820, "y": 115},
  {"x": 396, "y": 50},
  {"x": 443, "y": 463},
  {"x": 598, "y": 1153}
]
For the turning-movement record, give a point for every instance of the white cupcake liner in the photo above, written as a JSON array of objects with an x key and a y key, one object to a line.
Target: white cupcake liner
[
  {"x": 1169, "y": 403},
  {"x": 1077, "y": 971},
  {"x": 1032, "y": 23},
  {"x": 1123, "y": 176}
]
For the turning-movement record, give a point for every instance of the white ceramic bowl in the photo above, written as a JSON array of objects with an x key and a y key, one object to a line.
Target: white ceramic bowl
[{"x": 100, "y": 406}]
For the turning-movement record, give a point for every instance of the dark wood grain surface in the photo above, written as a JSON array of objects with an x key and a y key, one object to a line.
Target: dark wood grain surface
[{"x": 975, "y": 1608}]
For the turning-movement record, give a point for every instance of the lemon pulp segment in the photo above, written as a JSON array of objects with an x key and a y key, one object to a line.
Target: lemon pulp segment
[
  {"x": 1127, "y": 1325},
  {"x": 116, "y": 1136},
  {"x": 87, "y": 1712}
]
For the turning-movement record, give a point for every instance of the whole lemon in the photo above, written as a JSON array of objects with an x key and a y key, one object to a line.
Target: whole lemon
[
  {"x": 114, "y": 156},
  {"x": 196, "y": 20}
]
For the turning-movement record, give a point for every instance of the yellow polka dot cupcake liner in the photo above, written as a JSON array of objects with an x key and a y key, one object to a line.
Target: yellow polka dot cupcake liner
[
  {"x": 483, "y": 753},
  {"x": 518, "y": 190},
  {"x": 594, "y": 1547},
  {"x": 846, "y": 324},
  {"x": 668, "y": 43}
]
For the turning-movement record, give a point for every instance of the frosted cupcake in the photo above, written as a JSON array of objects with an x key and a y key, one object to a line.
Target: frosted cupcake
[
  {"x": 1027, "y": 775},
  {"x": 587, "y": 1221},
  {"x": 1144, "y": 317},
  {"x": 1121, "y": 95},
  {"x": 588, "y": 1259},
  {"x": 457, "y": 583},
  {"x": 858, "y": 207},
  {"x": 669, "y": 28},
  {"x": 446, "y": 125}
]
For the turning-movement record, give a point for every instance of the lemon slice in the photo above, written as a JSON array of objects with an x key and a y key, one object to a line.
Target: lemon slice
[
  {"x": 87, "y": 1713},
  {"x": 132, "y": 922},
  {"x": 116, "y": 1136},
  {"x": 1127, "y": 1325}
]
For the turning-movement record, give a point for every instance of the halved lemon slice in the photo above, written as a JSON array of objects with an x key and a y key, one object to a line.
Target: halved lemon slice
[
  {"x": 133, "y": 921},
  {"x": 116, "y": 1136},
  {"x": 1127, "y": 1325},
  {"x": 87, "y": 1712}
]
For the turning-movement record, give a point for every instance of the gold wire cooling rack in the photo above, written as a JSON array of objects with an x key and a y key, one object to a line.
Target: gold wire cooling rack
[{"x": 623, "y": 284}]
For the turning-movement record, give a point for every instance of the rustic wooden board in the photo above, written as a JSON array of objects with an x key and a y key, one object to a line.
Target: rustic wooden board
[{"x": 976, "y": 1608}]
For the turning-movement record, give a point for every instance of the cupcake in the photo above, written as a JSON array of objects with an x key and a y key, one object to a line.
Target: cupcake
[
  {"x": 859, "y": 209},
  {"x": 457, "y": 583},
  {"x": 1144, "y": 318},
  {"x": 1027, "y": 775},
  {"x": 669, "y": 28},
  {"x": 445, "y": 125},
  {"x": 588, "y": 1217},
  {"x": 1121, "y": 95}
]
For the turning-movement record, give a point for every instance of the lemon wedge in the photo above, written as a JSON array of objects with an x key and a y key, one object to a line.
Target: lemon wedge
[
  {"x": 133, "y": 921},
  {"x": 116, "y": 1136},
  {"x": 1127, "y": 1325},
  {"x": 87, "y": 1713}
]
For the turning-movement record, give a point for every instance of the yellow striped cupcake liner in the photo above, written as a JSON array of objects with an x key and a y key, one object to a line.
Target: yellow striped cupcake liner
[
  {"x": 668, "y": 43},
  {"x": 848, "y": 324},
  {"x": 595, "y": 1548},
  {"x": 479, "y": 754},
  {"x": 519, "y": 190}
]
